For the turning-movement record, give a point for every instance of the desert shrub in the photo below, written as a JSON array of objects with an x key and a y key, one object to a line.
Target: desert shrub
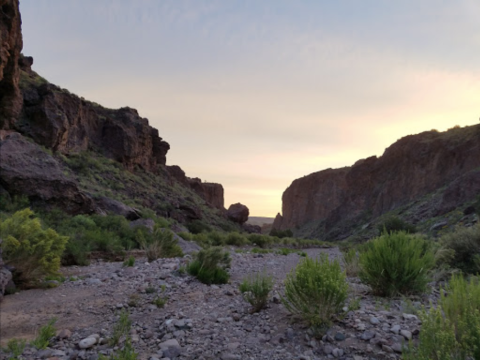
[
  {"x": 465, "y": 244},
  {"x": 15, "y": 347},
  {"x": 281, "y": 233},
  {"x": 255, "y": 290},
  {"x": 262, "y": 241},
  {"x": 186, "y": 235},
  {"x": 210, "y": 266},
  {"x": 316, "y": 289},
  {"x": 197, "y": 227},
  {"x": 163, "y": 244},
  {"x": 121, "y": 327},
  {"x": 45, "y": 334},
  {"x": 33, "y": 251},
  {"x": 202, "y": 239},
  {"x": 352, "y": 262},
  {"x": 236, "y": 239},
  {"x": 161, "y": 222},
  {"x": 396, "y": 263},
  {"x": 395, "y": 224},
  {"x": 14, "y": 203},
  {"x": 452, "y": 330},
  {"x": 216, "y": 238},
  {"x": 129, "y": 262}
]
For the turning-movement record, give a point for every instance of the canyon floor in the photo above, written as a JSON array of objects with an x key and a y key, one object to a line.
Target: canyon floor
[{"x": 199, "y": 321}]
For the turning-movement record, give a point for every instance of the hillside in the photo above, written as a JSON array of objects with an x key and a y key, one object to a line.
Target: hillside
[
  {"x": 62, "y": 151},
  {"x": 429, "y": 179}
]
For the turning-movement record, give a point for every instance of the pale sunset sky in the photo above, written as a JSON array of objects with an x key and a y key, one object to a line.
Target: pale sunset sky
[{"x": 253, "y": 94}]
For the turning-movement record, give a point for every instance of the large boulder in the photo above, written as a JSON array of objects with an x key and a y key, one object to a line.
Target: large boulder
[
  {"x": 238, "y": 213},
  {"x": 108, "y": 205},
  {"x": 27, "y": 169}
]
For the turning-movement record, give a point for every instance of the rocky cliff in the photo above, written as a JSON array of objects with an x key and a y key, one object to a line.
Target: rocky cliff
[
  {"x": 10, "y": 47},
  {"x": 63, "y": 151},
  {"x": 331, "y": 203}
]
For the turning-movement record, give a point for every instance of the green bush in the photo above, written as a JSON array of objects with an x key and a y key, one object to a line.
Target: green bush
[
  {"x": 255, "y": 290},
  {"x": 465, "y": 244},
  {"x": 236, "y": 239},
  {"x": 210, "y": 266},
  {"x": 262, "y": 241},
  {"x": 129, "y": 262},
  {"x": 197, "y": 227},
  {"x": 122, "y": 329},
  {"x": 15, "y": 347},
  {"x": 46, "y": 333},
  {"x": 281, "y": 233},
  {"x": 216, "y": 238},
  {"x": 395, "y": 224},
  {"x": 163, "y": 244},
  {"x": 316, "y": 289},
  {"x": 396, "y": 263},
  {"x": 33, "y": 251},
  {"x": 351, "y": 260},
  {"x": 452, "y": 330}
]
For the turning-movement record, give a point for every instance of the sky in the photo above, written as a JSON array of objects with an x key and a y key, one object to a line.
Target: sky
[{"x": 253, "y": 94}]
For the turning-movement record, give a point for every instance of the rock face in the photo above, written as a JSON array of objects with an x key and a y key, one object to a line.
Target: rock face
[
  {"x": 10, "y": 47},
  {"x": 27, "y": 169},
  {"x": 66, "y": 123},
  {"x": 238, "y": 213},
  {"x": 414, "y": 166},
  {"x": 116, "y": 207},
  {"x": 212, "y": 193}
]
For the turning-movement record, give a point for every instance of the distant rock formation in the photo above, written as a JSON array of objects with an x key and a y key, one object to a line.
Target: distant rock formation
[
  {"x": 336, "y": 200},
  {"x": 238, "y": 213},
  {"x": 10, "y": 47}
]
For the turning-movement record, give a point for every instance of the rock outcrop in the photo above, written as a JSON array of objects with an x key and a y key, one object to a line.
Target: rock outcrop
[
  {"x": 26, "y": 169},
  {"x": 238, "y": 213},
  {"x": 416, "y": 165},
  {"x": 10, "y": 47},
  {"x": 67, "y": 123},
  {"x": 212, "y": 193}
]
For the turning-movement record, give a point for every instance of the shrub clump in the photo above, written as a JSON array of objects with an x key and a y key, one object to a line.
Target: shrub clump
[
  {"x": 33, "y": 251},
  {"x": 395, "y": 224},
  {"x": 452, "y": 330},
  {"x": 255, "y": 290},
  {"x": 351, "y": 260},
  {"x": 46, "y": 333},
  {"x": 210, "y": 266},
  {"x": 316, "y": 289},
  {"x": 465, "y": 243},
  {"x": 162, "y": 244},
  {"x": 396, "y": 263}
]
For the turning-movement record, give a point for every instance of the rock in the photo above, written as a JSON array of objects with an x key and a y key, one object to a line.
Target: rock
[
  {"x": 374, "y": 321},
  {"x": 367, "y": 335},
  {"x": 116, "y": 207},
  {"x": 87, "y": 343},
  {"x": 64, "y": 334},
  {"x": 148, "y": 223},
  {"x": 397, "y": 347},
  {"x": 406, "y": 334},
  {"x": 27, "y": 169},
  {"x": 252, "y": 229},
  {"x": 238, "y": 213},
  {"x": 5, "y": 275},
  {"x": 339, "y": 336},
  {"x": 10, "y": 47},
  {"x": 395, "y": 329},
  {"x": 327, "y": 349},
  {"x": 212, "y": 193},
  {"x": 337, "y": 352},
  {"x": 171, "y": 348}
]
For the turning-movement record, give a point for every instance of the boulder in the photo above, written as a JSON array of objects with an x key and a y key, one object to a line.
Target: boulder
[
  {"x": 252, "y": 229},
  {"x": 5, "y": 275},
  {"x": 25, "y": 168},
  {"x": 108, "y": 205},
  {"x": 238, "y": 213}
]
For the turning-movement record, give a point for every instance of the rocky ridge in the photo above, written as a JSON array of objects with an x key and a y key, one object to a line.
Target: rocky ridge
[
  {"x": 200, "y": 321},
  {"x": 440, "y": 169}
]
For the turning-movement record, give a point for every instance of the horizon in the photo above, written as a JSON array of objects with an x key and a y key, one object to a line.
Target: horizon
[{"x": 254, "y": 96}]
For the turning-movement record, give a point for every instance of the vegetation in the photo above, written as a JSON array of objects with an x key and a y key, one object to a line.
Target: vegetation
[
  {"x": 452, "y": 330},
  {"x": 351, "y": 260},
  {"x": 15, "y": 347},
  {"x": 45, "y": 334},
  {"x": 35, "y": 252},
  {"x": 162, "y": 244},
  {"x": 120, "y": 329},
  {"x": 281, "y": 233},
  {"x": 461, "y": 249},
  {"x": 394, "y": 224},
  {"x": 396, "y": 263},
  {"x": 129, "y": 262},
  {"x": 255, "y": 290},
  {"x": 316, "y": 289},
  {"x": 210, "y": 266}
]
